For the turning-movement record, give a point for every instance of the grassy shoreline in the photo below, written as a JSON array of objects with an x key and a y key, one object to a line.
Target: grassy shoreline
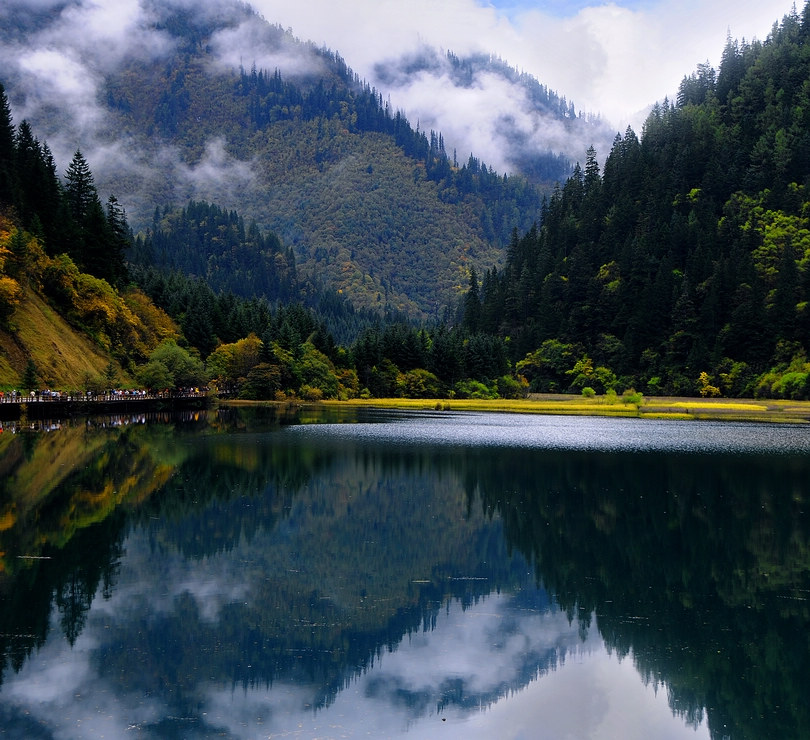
[{"x": 697, "y": 409}]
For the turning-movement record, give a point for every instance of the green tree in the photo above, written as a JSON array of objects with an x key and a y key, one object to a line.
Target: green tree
[
  {"x": 546, "y": 368},
  {"x": 110, "y": 374},
  {"x": 30, "y": 376},
  {"x": 420, "y": 383},
  {"x": 80, "y": 189},
  {"x": 173, "y": 367},
  {"x": 472, "y": 305},
  {"x": 317, "y": 371},
  {"x": 120, "y": 238},
  {"x": 7, "y": 174},
  {"x": 262, "y": 383},
  {"x": 155, "y": 376}
]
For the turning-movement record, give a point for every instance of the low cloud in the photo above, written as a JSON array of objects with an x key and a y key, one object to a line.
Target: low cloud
[
  {"x": 217, "y": 176},
  {"x": 256, "y": 43},
  {"x": 607, "y": 59},
  {"x": 55, "y": 74},
  {"x": 487, "y": 114},
  {"x": 610, "y": 60}
]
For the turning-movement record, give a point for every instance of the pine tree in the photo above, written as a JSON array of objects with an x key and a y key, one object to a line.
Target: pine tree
[
  {"x": 80, "y": 190},
  {"x": 592, "y": 179},
  {"x": 100, "y": 238},
  {"x": 7, "y": 186},
  {"x": 472, "y": 305},
  {"x": 120, "y": 239}
]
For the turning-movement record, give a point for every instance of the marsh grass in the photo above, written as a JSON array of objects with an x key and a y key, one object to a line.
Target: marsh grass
[
  {"x": 649, "y": 408},
  {"x": 725, "y": 405}
]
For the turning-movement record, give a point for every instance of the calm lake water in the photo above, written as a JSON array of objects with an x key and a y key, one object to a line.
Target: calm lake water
[{"x": 426, "y": 575}]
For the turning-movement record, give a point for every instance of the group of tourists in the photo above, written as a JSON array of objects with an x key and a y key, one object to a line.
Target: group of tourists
[{"x": 116, "y": 394}]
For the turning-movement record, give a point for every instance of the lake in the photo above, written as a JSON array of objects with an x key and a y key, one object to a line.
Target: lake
[{"x": 357, "y": 573}]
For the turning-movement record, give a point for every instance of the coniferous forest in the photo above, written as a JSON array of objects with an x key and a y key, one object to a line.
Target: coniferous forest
[
  {"x": 688, "y": 253},
  {"x": 677, "y": 263}
]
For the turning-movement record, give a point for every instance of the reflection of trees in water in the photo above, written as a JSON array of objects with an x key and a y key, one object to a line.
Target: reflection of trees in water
[
  {"x": 227, "y": 490},
  {"x": 373, "y": 546},
  {"x": 697, "y": 565},
  {"x": 69, "y": 578}
]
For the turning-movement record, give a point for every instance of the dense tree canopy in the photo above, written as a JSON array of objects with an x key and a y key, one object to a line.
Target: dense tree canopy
[
  {"x": 68, "y": 217},
  {"x": 689, "y": 251}
]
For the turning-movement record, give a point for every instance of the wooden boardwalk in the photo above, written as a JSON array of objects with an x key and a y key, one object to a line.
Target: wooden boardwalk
[{"x": 58, "y": 406}]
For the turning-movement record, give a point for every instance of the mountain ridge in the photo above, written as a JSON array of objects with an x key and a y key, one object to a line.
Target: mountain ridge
[{"x": 278, "y": 144}]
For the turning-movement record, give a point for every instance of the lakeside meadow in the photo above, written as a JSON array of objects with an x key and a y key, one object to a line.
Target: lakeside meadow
[{"x": 698, "y": 409}]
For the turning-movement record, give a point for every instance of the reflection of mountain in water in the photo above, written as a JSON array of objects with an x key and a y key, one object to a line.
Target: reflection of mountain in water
[
  {"x": 288, "y": 561},
  {"x": 310, "y": 588},
  {"x": 697, "y": 565}
]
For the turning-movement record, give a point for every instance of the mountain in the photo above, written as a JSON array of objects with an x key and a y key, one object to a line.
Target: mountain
[
  {"x": 373, "y": 207},
  {"x": 683, "y": 267},
  {"x": 538, "y": 134}
]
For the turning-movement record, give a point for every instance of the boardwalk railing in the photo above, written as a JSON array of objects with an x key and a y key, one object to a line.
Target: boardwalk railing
[
  {"x": 54, "y": 403},
  {"x": 90, "y": 397}
]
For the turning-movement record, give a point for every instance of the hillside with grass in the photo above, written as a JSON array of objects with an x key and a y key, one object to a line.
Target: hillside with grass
[
  {"x": 66, "y": 329},
  {"x": 62, "y": 357}
]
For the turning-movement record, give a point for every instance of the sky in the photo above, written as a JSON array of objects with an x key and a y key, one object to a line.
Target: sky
[{"x": 615, "y": 59}]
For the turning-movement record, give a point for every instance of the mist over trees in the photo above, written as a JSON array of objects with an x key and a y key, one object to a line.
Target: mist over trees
[{"x": 68, "y": 216}]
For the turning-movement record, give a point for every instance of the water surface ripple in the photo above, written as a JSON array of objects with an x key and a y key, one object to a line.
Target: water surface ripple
[{"x": 570, "y": 433}]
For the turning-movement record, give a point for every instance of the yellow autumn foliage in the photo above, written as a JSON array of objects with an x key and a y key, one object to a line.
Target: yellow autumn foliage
[
  {"x": 127, "y": 326},
  {"x": 10, "y": 289}
]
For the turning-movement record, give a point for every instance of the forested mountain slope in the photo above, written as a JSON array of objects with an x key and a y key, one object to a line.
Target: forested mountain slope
[
  {"x": 688, "y": 253},
  {"x": 370, "y": 204}
]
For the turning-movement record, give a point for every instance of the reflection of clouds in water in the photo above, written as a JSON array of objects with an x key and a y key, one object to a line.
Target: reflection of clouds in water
[
  {"x": 491, "y": 649},
  {"x": 472, "y": 659},
  {"x": 473, "y": 656},
  {"x": 60, "y": 690},
  {"x": 611, "y": 702},
  {"x": 212, "y": 582},
  {"x": 487, "y": 647}
]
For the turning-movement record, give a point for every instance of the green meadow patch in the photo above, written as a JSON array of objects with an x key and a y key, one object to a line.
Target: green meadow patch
[{"x": 649, "y": 408}]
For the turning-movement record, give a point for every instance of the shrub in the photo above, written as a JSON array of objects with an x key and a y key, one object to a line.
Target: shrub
[
  {"x": 791, "y": 385},
  {"x": 310, "y": 393},
  {"x": 705, "y": 387},
  {"x": 509, "y": 387},
  {"x": 632, "y": 396},
  {"x": 420, "y": 383},
  {"x": 474, "y": 389}
]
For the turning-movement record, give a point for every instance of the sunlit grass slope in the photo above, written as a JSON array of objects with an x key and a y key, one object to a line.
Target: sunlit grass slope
[{"x": 63, "y": 357}]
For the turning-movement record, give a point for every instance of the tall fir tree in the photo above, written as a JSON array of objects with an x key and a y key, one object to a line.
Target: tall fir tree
[
  {"x": 7, "y": 178},
  {"x": 80, "y": 189}
]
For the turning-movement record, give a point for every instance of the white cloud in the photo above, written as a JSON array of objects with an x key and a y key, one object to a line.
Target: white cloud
[
  {"x": 58, "y": 72},
  {"x": 217, "y": 176},
  {"x": 608, "y": 59},
  {"x": 484, "y": 645},
  {"x": 59, "y": 69},
  {"x": 252, "y": 42},
  {"x": 611, "y": 59}
]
